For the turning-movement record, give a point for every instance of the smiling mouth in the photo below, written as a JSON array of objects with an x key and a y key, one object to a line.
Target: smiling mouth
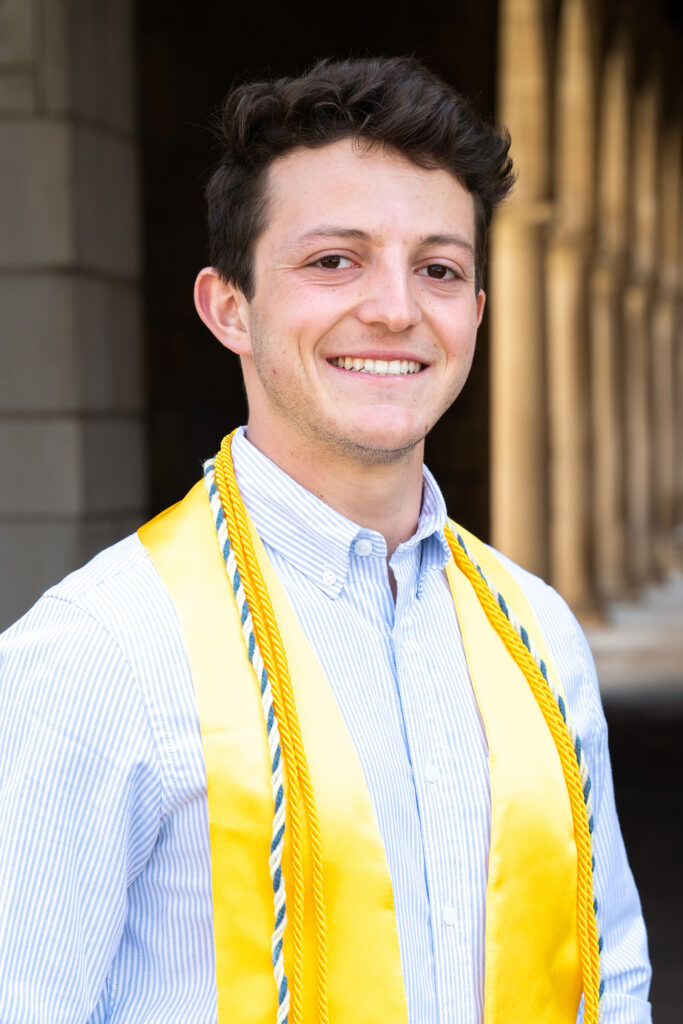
[{"x": 380, "y": 367}]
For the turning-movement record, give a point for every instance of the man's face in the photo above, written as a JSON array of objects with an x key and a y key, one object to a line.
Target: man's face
[{"x": 362, "y": 326}]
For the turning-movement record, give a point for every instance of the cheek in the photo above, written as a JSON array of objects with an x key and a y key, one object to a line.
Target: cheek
[
  {"x": 459, "y": 337},
  {"x": 310, "y": 313}
]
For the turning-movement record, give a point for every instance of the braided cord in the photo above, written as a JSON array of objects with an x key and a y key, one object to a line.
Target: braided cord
[
  {"x": 285, "y": 743},
  {"x": 300, "y": 789},
  {"x": 572, "y": 758},
  {"x": 276, "y": 775}
]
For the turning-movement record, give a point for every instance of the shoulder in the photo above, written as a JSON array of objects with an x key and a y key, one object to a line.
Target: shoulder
[
  {"x": 123, "y": 567},
  {"x": 568, "y": 648},
  {"x": 554, "y": 615},
  {"x": 100, "y": 659},
  {"x": 563, "y": 636},
  {"x": 109, "y": 598},
  {"x": 100, "y": 646},
  {"x": 68, "y": 690},
  {"x": 79, "y": 625}
]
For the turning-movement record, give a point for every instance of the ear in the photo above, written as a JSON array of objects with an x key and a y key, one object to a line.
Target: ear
[
  {"x": 224, "y": 310},
  {"x": 481, "y": 302}
]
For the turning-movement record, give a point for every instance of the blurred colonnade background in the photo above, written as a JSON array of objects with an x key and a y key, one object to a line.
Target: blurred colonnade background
[{"x": 565, "y": 450}]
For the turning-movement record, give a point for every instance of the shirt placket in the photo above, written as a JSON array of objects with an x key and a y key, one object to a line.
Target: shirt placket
[{"x": 432, "y": 757}]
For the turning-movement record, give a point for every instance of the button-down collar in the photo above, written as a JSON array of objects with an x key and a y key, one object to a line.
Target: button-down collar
[{"x": 314, "y": 538}]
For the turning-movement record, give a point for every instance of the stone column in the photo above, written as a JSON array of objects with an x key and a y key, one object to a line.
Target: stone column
[
  {"x": 678, "y": 408},
  {"x": 570, "y": 244},
  {"x": 664, "y": 325},
  {"x": 71, "y": 437},
  {"x": 638, "y": 335},
  {"x": 607, "y": 326},
  {"x": 518, "y": 457}
]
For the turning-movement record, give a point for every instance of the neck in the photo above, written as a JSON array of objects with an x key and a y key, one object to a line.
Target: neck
[{"x": 383, "y": 496}]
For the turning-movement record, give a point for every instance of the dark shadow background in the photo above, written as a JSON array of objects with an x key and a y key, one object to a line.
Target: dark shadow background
[{"x": 646, "y": 743}]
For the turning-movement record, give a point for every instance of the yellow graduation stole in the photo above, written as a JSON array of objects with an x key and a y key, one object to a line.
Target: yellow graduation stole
[{"x": 535, "y": 966}]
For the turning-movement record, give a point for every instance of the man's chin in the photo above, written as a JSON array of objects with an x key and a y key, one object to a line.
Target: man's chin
[{"x": 375, "y": 449}]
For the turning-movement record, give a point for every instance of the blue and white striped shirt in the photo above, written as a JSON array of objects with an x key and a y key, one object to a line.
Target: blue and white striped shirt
[{"x": 106, "y": 913}]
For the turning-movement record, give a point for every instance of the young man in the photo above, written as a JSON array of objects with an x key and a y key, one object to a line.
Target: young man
[{"x": 410, "y": 812}]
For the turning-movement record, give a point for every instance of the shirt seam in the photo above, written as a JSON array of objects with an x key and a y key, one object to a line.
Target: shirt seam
[
  {"x": 92, "y": 586},
  {"x": 103, "y": 629}
]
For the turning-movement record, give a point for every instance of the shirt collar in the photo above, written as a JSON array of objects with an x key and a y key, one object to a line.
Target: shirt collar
[{"x": 314, "y": 538}]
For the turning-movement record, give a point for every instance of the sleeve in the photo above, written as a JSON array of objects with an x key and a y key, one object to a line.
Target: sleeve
[
  {"x": 625, "y": 963},
  {"x": 79, "y": 810}
]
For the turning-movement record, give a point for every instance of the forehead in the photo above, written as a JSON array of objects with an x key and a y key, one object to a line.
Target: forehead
[{"x": 375, "y": 190}]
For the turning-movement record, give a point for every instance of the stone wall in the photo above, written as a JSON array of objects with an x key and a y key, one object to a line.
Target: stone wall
[{"x": 72, "y": 460}]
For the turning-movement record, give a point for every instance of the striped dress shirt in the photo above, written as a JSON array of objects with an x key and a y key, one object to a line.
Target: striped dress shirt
[{"x": 106, "y": 912}]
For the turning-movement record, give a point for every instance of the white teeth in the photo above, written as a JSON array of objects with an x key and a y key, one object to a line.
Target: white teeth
[{"x": 381, "y": 367}]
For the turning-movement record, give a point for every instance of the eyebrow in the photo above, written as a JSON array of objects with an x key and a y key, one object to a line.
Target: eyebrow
[
  {"x": 456, "y": 240},
  {"x": 334, "y": 231},
  {"x": 327, "y": 231}
]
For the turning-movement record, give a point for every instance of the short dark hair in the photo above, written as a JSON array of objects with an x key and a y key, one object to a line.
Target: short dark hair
[{"x": 392, "y": 102}]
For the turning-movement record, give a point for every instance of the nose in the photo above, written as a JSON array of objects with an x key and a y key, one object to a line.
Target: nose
[{"x": 390, "y": 299}]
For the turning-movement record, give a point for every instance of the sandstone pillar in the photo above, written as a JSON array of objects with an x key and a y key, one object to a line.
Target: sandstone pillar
[
  {"x": 518, "y": 458},
  {"x": 607, "y": 327},
  {"x": 567, "y": 296},
  {"x": 71, "y": 437},
  {"x": 678, "y": 414},
  {"x": 638, "y": 336},
  {"x": 664, "y": 325}
]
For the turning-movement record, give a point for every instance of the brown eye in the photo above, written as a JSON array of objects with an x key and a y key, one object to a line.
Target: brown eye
[
  {"x": 438, "y": 271},
  {"x": 333, "y": 262}
]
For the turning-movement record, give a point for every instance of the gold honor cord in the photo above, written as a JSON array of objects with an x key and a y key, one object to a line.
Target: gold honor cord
[
  {"x": 301, "y": 799},
  {"x": 587, "y": 927},
  {"x": 300, "y": 790}
]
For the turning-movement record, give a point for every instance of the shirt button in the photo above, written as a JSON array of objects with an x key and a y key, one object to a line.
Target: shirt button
[
  {"x": 363, "y": 546},
  {"x": 450, "y": 914},
  {"x": 431, "y": 772},
  {"x": 328, "y": 577}
]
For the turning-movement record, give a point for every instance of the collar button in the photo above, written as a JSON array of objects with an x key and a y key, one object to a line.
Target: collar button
[{"x": 363, "y": 547}]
